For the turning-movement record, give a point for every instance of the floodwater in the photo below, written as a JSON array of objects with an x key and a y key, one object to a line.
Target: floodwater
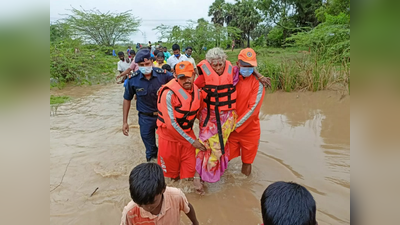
[{"x": 305, "y": 138}]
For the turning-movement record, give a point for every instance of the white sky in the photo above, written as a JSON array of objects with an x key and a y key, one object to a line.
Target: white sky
[{"x": 152, "y": 12}]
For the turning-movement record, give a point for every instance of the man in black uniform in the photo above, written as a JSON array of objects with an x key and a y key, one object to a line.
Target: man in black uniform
[{"x": 145, "y": 83}]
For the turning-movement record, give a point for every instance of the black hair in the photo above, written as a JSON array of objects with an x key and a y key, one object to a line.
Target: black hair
[
  {"x": 164, "y": 47},
  {"x": 120, "y": 53},
  {"x": 175, "y": 47},
  {"x": 189, "y": 48},
  {"x": 146, "y": 181},
  {"x": 243, "y": 63},
  {"x": 153, "y": 58},
  {"x": 288, "y": 203},
  {"x": 166, "y": 67},
  {"x": 132, "y": 52},
  {"x": 156, "y": 52},
  {"x": 160, "y": 54}
]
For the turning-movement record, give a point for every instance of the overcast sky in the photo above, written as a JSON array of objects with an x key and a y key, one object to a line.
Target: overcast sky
[{"x": 152, "y": 12}]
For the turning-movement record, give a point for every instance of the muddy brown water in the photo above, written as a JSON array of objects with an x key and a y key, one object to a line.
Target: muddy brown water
[{"x": 305, "y": 138}]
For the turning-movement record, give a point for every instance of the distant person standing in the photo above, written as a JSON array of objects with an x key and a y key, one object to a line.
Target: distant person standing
[
  {"x": 177, "y": 57},
  {"x": 123, "y": 64},
  {"x": 188, "y": 54},
  {"x": 145, "y": 84},
  {"x": 132, "y": 68},
  {"x": 233, "y": 44},
  {"x": 166, "y": 53},
  {"x": 128, "y": 51},
  {"x": 137, "y": 46}
]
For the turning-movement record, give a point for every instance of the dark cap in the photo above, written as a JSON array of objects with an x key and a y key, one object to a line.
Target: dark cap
[{"x": 141, "y": 55}]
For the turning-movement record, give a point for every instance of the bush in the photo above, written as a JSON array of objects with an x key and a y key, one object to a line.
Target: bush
[
  {"x": 330, "y": 39},
  {"x": 89, "y": 65},
  {"x": 306, "y": 73},
  {"x": 259, "y": 42},
  {"x": 275, "y": 37}
]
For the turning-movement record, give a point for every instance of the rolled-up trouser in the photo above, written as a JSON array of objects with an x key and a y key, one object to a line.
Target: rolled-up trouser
[{"x": 148, "y": 125}]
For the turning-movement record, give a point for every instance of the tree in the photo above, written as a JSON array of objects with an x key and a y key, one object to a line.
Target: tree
[
  {"x": 198, "y": 34},
  {"x": 334, "y": 8},
  {"x": 305, "y": 12},
  {"x": 228, "y": 13},
  {"x": 59, "y": 31},
  {"x": 102, "y": 28},
  {"x": 217, "y": 11},
  {"x": 246, "y": 18}
]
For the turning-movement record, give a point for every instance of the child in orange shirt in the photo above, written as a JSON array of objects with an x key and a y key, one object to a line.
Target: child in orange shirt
[{"x": 152, "y": 201}]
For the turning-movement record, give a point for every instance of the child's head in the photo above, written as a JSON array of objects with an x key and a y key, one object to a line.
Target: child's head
[
  {"x": 132, "y": 53},
  {"x": 166, "y": 67},
  {"x": 147, "y": 185},
  {"x": 287, "y": 203}
]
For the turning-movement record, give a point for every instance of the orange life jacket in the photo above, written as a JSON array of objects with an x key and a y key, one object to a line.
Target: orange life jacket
[
  {"x": 185, "y": 114},
  {"x": 219, "y": 90}
]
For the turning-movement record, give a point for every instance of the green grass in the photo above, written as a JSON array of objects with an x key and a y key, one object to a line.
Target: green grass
[
  {"x": 267, "y": 54},
  {"x": 55, "y": 100},
  {"x": 295, "y": 69}
]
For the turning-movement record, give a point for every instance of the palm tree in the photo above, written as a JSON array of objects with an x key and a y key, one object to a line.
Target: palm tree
[
  {"x": 216, "y": 10},
  {"x": 228, "y": 13}
]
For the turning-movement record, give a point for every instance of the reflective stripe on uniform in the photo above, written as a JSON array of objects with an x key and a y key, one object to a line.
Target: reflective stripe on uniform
[
  {"x": 249, "y": 113},
  {"x": 183, "y": 93},
  {"x": 172, "y": 118}
]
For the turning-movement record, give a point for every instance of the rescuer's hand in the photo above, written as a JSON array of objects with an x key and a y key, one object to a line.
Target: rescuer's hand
[{"x": 199, "y": 145}]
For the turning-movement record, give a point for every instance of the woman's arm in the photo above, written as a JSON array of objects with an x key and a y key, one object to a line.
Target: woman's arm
[{"x": 266, "y": 81}]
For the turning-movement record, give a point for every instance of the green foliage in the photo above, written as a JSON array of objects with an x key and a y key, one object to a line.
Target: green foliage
[
  {"x": 59, "y": 31},
  {"x": 275, "y": 37},
  {"x": 102, "y": 28},
  {"x": 216, "y": 10},
  {"x": 259, "y": 42},
  {"x": 88, "y": 65},
  {"x": 246, "y": 18},
  {"x": 331, "y": 39},
  {"x": 305, "y": 73},
  {"x": 242, "y": 15},
  {"x": 54, "y": 100},
  {"x": 333, "y": 7},
  {"x": 198, "y": 35}
]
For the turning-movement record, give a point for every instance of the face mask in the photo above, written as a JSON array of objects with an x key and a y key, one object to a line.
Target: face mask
[
  {"x": 187, "y": 55},
  {"x": 177, "y": 55},
  {"x": 145, "y": 69},
  {"x": 246, "y": 71}
]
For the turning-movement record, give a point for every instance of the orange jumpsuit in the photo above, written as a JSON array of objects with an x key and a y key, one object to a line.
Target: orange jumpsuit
[
  {"x": 244, "y": 140},
  {"x": 176, "y": 155}
]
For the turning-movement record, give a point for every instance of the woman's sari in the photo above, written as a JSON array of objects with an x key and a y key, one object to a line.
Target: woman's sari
[{"x": 211, "y": 164}]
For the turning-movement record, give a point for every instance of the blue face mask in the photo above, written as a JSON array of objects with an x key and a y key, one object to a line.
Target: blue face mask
[
  {"x": 145, "y": 69},
  {"x": 246, "y": 71},
  {"x": 177, "y": 55},
  {"x": 187, "y": 55}
]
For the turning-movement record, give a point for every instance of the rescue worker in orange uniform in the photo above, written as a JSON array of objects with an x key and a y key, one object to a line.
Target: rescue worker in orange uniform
[
  {"x": 244, "y": 140},
  {"x": 178, "y": 105}
]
